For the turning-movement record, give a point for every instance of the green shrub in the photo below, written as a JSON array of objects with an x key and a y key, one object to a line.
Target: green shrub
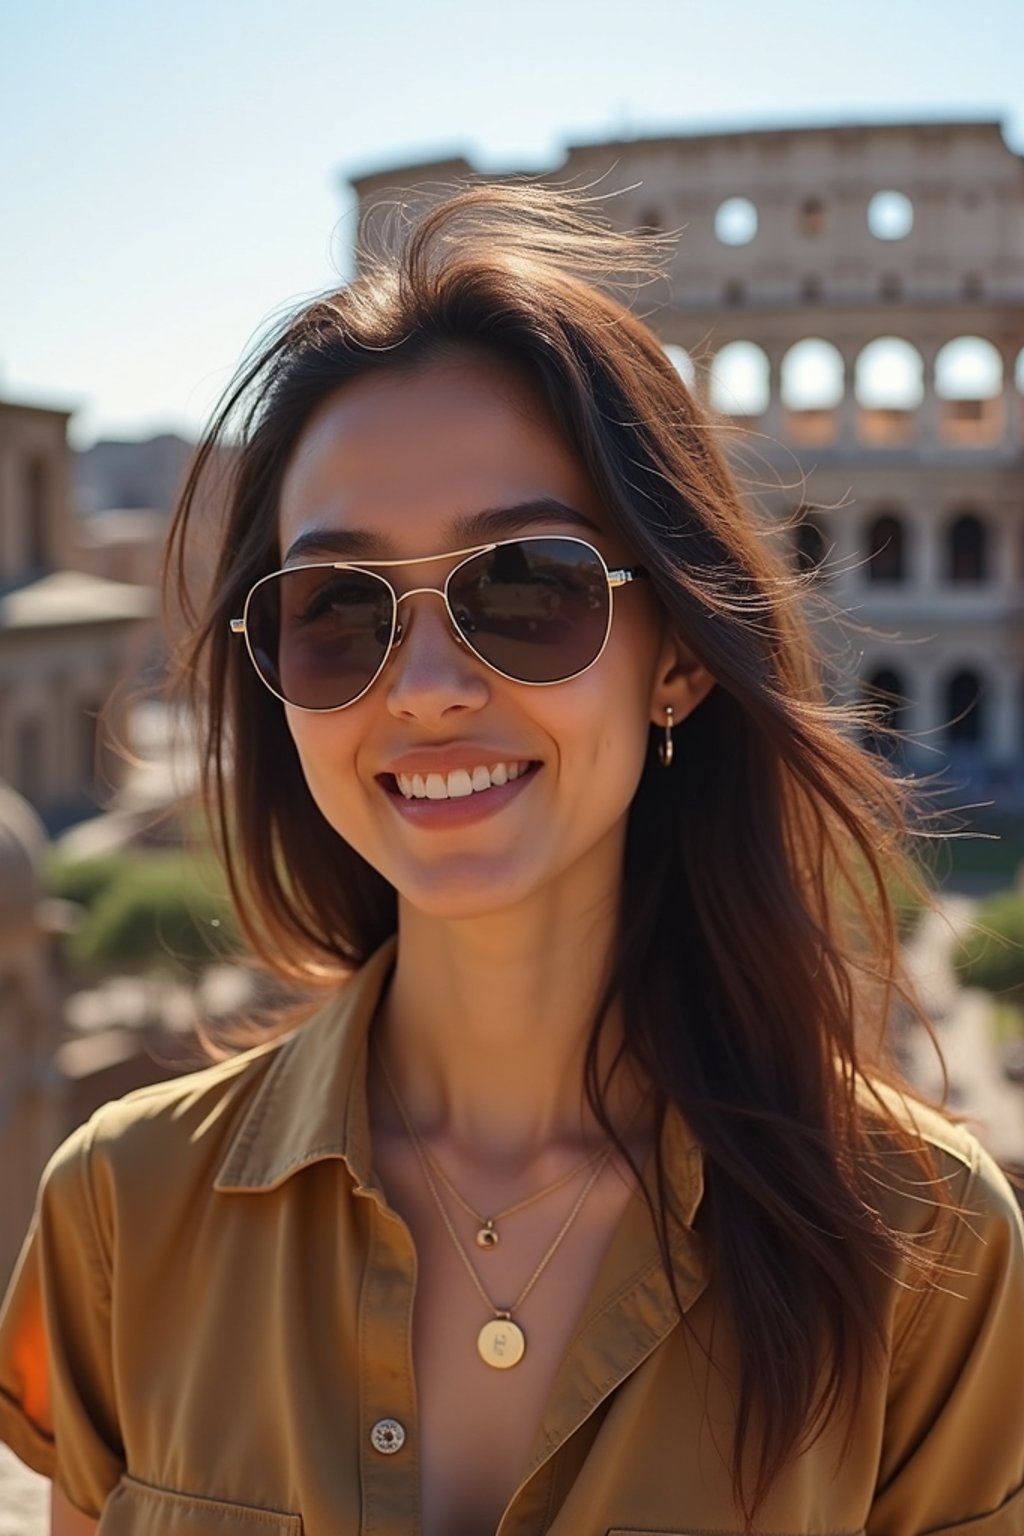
[
  {"x": 164, "y": 909},
  {"x": 991, "y": 955},
  {"x": 85, "y": 880}
]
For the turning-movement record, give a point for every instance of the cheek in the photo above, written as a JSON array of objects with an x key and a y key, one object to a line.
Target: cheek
[{"x": 326, "y": 746}]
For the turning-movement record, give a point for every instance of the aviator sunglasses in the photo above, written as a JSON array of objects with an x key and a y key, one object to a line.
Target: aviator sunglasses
[{"x": 534, "y": 610}]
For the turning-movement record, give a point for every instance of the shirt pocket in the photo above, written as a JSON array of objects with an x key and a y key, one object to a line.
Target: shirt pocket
[{"x": 139, "y": 1509}]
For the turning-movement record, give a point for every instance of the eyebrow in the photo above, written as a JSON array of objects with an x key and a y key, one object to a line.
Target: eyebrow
[{"x": 466, "y": 529}]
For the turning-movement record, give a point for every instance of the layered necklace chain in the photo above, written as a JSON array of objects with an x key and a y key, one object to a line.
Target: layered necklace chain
[{"x": 501, "y": 1342}]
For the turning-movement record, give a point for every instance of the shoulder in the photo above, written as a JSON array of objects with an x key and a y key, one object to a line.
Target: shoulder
[
  {"x": 923, "y": 1162},
  {"x": 954, "y": 1210},
  {"x": 172, "y": 1136}
]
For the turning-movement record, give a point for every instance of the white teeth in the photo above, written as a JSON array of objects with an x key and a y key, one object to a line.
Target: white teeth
[{"x": 459, "y": 783}]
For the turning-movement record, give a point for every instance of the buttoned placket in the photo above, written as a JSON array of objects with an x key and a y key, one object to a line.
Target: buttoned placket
[
  {"x": 630, "y": 1312},
  {"x": 388, "y": 1440}
]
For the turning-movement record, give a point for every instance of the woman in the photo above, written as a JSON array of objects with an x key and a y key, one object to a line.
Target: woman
[{"x": 584, "y": 1206}]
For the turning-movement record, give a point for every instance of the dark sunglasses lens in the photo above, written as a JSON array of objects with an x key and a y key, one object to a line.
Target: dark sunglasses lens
[
  {"x": 319, "y": 636},
  {"x": 537, "y": 609}
]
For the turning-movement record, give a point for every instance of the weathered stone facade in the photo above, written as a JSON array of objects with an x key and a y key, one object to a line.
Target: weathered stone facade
[
  {"x": 67, "y": 638},
  {"x": 853, "y": 299}
]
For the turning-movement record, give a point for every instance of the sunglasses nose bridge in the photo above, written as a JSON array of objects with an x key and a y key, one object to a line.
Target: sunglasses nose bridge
[{"x": 400, "y": 598}]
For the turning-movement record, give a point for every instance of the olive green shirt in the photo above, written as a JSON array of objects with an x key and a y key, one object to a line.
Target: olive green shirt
[{"x": 210, "y": 1331}]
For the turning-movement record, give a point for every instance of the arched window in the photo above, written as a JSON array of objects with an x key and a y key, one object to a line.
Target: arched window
[
  {"x": 884, "y": 689},
  {"x": 890, "y": 215},
  {"x": 810, "y": 545},
  {"x": 811, "y": 385},
  {"x": 886, "y": 550},
  {"x": 735, "y": 221},
  {"x": 888, "y": 385},
  {"x": 969, "y": 386},
  {"x": 682, "y": 362},
  {"x": 812, "y": 217},
  {"x": 963, "y": 709},
  {"x": 967, "y": 549},
  {"x": 740, "y": 380},
  {"x": 812, "y": 376}
]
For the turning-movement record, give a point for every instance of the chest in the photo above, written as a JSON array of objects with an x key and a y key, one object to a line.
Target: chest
[
  {"x": 478, "y": 1422},
  {"x": 316, "y": 1318}
]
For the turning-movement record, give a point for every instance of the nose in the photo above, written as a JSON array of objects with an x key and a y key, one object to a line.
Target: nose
[{"x": 432, "y": 675}]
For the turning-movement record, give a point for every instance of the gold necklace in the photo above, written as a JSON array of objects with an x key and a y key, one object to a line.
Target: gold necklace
[
  {"x": 487, "y": 1235},
  {"x": 501, "y": 1342}
]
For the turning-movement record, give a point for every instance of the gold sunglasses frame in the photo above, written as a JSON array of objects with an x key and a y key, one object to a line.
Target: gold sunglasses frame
[{"x": 618, "y": 577}]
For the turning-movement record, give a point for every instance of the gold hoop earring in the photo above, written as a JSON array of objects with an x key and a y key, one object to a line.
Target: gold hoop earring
[{"x": 666, "y": 748}]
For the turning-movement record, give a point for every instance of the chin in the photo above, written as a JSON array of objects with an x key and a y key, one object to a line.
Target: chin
[{"x": 468, "y": 890}]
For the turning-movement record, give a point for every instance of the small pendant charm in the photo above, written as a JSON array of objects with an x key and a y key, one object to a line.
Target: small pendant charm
[
  {"x": 501, "y": 1343},
  {"x": 487, "y": 1237}
]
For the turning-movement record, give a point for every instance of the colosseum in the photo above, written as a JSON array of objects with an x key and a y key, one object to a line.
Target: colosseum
[{"x": 852, "y": 298}]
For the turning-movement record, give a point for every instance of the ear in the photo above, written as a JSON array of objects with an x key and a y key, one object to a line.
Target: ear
[{"x": 680, "y": 680}]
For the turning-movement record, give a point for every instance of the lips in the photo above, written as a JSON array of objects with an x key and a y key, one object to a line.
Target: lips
[
  {"x": 452, "y": 798},
  {"x": 458, "y": 783}
]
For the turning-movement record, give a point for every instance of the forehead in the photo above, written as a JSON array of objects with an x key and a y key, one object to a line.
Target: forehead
[{"x": 405, "y": 455}]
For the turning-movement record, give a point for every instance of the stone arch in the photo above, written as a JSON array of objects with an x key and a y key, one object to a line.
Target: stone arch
[
  {"x": 968, "y": 384},
  {"x": 888, "y": 387},
  {"x": 736, "y": 221},
  {"x": 812, "y": 385},
  {"x": 890, "y": 215},
  {"x": 962, "y": 705},
  {"x": 883, "y": 688},
  {"x": 887, "y": 549},
  {"x": 741, "y": 380},
  {"x": 812, "y": 217},
  {"x": 810, "y": 544},
  {"x": 683, "y": 363},
  {"x": 967, "y": 549}
]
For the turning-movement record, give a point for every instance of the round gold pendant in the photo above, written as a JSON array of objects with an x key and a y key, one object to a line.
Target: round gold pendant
[
  {"x": 501, "y": 1343},
  {"x": 487, "y": 1237}
]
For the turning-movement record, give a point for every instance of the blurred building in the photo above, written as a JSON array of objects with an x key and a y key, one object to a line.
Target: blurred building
[
  {"x": 67, "y": 637},
  {"x": 147, "y": 472},
  {"x": 853, "y": 297}
]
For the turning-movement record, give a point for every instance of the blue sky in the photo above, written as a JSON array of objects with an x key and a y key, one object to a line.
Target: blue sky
[{"x": 174, "y": 175}]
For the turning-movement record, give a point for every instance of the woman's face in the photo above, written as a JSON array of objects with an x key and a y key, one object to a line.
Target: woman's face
[{"x": 400, "y": 458}]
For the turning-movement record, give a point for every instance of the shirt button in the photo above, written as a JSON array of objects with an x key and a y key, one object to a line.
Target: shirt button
[{"x": 387, "y": 1436}]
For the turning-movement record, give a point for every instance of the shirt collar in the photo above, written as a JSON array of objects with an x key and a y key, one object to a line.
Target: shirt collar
[{"x": 312, "y": 1103}]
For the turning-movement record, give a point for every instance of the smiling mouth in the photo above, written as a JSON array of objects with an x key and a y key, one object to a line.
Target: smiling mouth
[{"x": 459, "y": 784}]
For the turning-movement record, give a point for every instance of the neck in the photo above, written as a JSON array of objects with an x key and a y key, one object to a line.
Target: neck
[{"x": 486, "y": 1023}]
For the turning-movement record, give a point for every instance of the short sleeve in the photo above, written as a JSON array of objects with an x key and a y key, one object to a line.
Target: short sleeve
[
  {"x": 57, "y": 1401},
  {"x": 953, "y": 1454}
]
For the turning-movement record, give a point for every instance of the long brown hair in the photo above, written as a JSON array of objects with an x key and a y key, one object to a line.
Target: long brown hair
[{"x": 758, "y": 959}]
